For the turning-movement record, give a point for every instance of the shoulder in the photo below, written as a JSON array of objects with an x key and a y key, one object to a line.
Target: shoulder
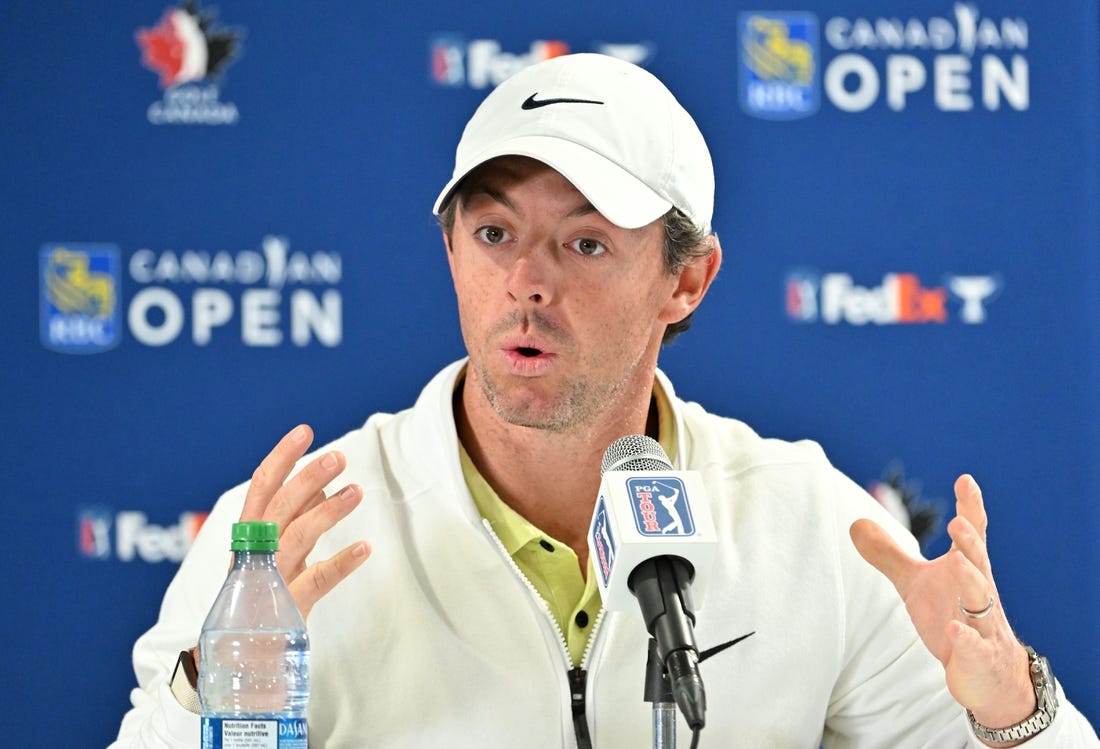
[
  {"x": 416, "y": 443},
  {"x": 784, "y": 482},
  {"x": 711, "y": 442}
]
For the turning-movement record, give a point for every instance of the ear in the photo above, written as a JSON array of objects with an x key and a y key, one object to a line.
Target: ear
[
  {"x": 692, "y": 284},
  {"x": 450, "y": 252}
]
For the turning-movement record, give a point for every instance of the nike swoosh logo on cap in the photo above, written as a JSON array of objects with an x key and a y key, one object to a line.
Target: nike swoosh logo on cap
[{"x": 532, "y": 103}]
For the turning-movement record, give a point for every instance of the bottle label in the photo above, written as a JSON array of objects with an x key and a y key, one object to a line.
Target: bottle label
[{"x": 254, "y": 733}]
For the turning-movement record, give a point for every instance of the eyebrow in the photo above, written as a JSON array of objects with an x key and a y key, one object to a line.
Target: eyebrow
[
  {"x": 467, "y": 196},
  {"x": 482, "y": 188},
  {"x": 583, "y": 209}
]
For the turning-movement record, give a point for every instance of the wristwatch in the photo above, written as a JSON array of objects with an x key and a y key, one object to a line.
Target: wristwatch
[
  {"x": 1046, "y": 699},
  {"x": 185, "y": 682}
]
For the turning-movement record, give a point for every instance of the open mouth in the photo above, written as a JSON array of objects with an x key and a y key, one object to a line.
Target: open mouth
[{"x": 527, "y": 355}]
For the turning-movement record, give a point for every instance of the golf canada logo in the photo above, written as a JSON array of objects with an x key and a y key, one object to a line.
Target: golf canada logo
[{"x": 190, "y": 54}]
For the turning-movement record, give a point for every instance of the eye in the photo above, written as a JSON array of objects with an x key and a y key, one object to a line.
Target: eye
[
  {"x": 587, "y": 246},
  {"x": 492, "y": 235}
]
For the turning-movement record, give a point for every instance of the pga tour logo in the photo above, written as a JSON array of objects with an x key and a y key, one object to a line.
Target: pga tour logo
[
  {"x": 660, "y": 506},
  {"x": 603, "y": 541}
]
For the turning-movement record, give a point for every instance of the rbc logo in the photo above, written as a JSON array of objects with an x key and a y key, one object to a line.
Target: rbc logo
[
  {"x": 779, "y": 79},
  {"x": 79, "y": 297},
  {"x": 661, "y": 506}
]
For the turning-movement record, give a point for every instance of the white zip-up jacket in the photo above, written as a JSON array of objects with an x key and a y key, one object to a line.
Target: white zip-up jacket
[{"x": 439, "y": 641}]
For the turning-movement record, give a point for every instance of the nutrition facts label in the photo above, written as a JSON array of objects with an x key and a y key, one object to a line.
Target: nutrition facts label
[{"x": 283, "y": 733}]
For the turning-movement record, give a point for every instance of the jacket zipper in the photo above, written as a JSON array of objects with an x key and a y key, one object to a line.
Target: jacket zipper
[{"x": 577, "y": 678}]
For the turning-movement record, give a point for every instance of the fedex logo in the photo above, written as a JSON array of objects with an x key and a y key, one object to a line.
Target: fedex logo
[
  {"x": 481, "y": 63},
  {"x": 457, "y": 62},
  {"x": 134, "y": 536},
  {"x": 900, "y": 299},
  {"x": 661, "y": 506}
]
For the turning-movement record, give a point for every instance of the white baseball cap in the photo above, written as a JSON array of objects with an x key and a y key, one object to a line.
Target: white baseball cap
[{"x": 609, "y": 127}]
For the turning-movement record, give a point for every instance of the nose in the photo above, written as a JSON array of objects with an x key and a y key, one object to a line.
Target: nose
[{"x": 530, "y": 277}]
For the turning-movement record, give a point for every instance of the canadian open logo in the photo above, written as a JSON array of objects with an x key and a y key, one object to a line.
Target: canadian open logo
[
  {"x": 957, "y": 62},
  {"x": 272, "y": 296}
]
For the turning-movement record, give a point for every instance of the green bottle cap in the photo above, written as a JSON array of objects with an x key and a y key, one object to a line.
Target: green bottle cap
[{"x": 255, "y": 536}]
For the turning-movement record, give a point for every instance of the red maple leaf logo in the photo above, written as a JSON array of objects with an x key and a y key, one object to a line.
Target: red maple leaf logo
[{"x": 162, "y": 49}]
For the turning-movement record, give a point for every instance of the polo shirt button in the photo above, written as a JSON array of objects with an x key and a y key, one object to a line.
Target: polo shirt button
[
  {"x": 546, "y": 544},
  {"x": 581, "y": 619}
]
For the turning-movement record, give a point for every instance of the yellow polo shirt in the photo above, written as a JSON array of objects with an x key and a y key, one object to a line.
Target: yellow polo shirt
[{"x": 551, "y": 566}]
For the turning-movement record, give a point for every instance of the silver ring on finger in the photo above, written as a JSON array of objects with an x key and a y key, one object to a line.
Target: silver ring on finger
[{"x": 974, "y": 614}]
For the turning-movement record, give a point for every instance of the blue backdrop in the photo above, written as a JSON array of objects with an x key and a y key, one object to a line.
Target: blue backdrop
[{"x": 219, "y": 223}]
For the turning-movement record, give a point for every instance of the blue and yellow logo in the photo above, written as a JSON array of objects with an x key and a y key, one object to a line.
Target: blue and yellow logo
[
  {"x": 79, "y": 297},
  {"x": 779, "y": 65}
]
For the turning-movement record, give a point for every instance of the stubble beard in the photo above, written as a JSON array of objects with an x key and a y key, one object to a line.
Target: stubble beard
[
  {"x": 577, "y": 405},
  {"x": 578, "y": 402}
]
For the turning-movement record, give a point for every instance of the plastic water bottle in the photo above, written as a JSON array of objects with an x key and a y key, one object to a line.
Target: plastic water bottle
[{"x": 254, "y": 653}]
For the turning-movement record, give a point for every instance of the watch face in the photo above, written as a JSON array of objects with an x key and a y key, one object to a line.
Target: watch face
[{"x": 1045, "y": 686}]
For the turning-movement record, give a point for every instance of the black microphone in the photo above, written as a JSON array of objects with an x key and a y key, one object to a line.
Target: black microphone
[{"x": 651, "y": 533}]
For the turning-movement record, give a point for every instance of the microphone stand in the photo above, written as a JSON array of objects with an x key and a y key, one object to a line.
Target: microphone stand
[{"x": 658, "y": 690}]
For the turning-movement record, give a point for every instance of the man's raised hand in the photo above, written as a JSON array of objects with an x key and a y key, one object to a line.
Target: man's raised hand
[
  {"x": 304, "y": 512},
  {"x": 955, "y": 607}
]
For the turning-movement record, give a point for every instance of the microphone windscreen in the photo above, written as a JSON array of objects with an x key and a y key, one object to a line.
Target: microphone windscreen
[{"x": 635, "y": 452}]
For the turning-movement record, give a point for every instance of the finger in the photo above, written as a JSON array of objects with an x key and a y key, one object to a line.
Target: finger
[
  {"x": 269, "y": 476},
  {"x": 970, "y": 505},
  {"x": 300, "y": 536},
  {"x": 969, "y": 651},
  {"x": 880, "y": 550},
  {"x": 979, "y": 667},
  {"x": 322, "y": 577},
  {"x": 967, "y": 540},
  {"x": 317, "y": 498},
  {"x": 974, "y": 589},
  {"x": 302, "y": 490}
]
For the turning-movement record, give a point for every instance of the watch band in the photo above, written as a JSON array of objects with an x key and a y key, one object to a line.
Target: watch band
[
  {"x": 1023, "y": 730},
  {"x": 185, "y": 682},
  {"x": 1045, "y": 698}
]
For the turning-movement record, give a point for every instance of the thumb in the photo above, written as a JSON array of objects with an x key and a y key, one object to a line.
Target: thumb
[{"x": 880, "y": 550}]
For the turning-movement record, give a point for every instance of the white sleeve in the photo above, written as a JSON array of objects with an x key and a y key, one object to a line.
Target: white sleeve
[{"x": 156, "y": 720}]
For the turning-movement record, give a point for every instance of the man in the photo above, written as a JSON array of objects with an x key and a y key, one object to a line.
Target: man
[{"x": 577, "y": 229}]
